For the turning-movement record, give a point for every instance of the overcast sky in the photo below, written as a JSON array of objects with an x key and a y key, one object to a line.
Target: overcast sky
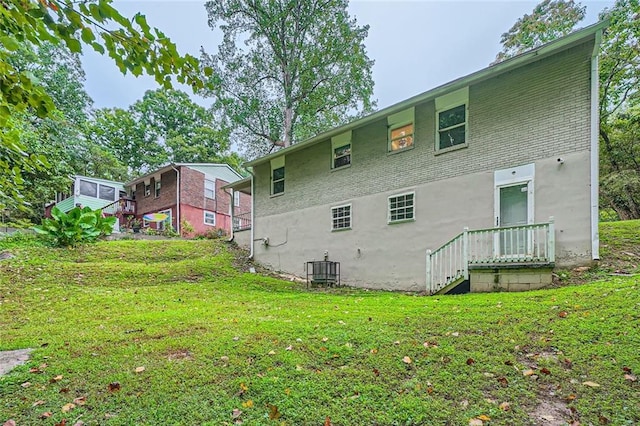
[{"x": 416, "y": 45}]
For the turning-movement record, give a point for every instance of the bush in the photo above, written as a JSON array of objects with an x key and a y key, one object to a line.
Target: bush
[
  {"x": 211, "y": 234},
  {"x": 75, "y": 227}
]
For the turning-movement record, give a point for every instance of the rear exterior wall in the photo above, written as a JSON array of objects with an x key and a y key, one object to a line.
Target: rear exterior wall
[{"x": 531, "y": 115}]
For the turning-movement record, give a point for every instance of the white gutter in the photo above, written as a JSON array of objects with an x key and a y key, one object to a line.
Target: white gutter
[
  {"x": 231, "y": 211},
  {"x": 177, "y": 200},
  {"x": 595, "y": 150},
  {"x": 253, "y": 209}
]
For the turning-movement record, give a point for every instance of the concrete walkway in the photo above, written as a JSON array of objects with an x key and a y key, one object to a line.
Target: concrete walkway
[{"x": 11, "y": 359}]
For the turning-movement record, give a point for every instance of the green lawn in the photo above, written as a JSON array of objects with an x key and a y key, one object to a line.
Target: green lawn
[{"x": 213, "y": 340}]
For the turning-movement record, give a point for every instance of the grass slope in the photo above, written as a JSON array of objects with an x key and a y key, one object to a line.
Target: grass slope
[{"x": 213, "y": 340}]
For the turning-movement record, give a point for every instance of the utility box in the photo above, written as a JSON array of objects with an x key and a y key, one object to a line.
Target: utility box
[{"x": 323, "y": 272}]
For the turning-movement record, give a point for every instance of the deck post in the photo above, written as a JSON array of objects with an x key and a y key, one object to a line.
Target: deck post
[
  {"x": 551, "y": 240},
  {"x": 465, "y": 252},
  {"x": 428, "y": 272}
]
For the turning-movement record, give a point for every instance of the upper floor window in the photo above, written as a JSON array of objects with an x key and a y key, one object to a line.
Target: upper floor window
[
  {"x": 107, "y": 193},
  {"x": 451, "y": 119},
  {"x": 236, "y": 198},
  {"x": 401, "y": 130},
  {"x": 90, "y": 189},
  {"x": 341, "y": 217},
  {"x": 401, "y": 207},
  {"x": 341, "y": 150},
  {"x": 158, "y": 186},
  {"x": 210, "y": 188},
  {"x": 277, "y": 176},
  {"x": 147, "y": 189}
]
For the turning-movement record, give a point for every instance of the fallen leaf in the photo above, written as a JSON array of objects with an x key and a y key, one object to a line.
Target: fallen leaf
[
  {"x": 626, "y": 370},
  {"x": 470, "y": 361},
  {"x": 528, "y": 373},
  {"x": 630, "y": 377},
  {"x": 324, "y": 339},
  {"x": 570, "y": 398},
  {"x": 484, "y": 417},
  {"x": 63, "y": 422},
  {"x": 591, "y": 384},
  {"x": 236, "y": 413},
  {"x": 567, "y": 363},
  {"x": 272, "y": 352},
  {"x": 327, "y": 421},
  {"x": 455, "y": 334},
  {"x": 114, "y": 386},
  {"x": 64, "y": 390},
  {"x": 503, "y": 381},
  {"x": 248, "y": 404},
  {"x": 38, "y": 402},
  {"x": 26, "y": 384},
  {"x": 603, "y": 420},
  {"x": 397, "y": 342},
  {"x": 406, "y": 360},
  {"x": 376, "y": 372},
  {"x": 68, "y": 407},
  {"x": 79, "y": 423},
  {"x": 289, "y": 348},
  {"x": 10, "y": 423},
  {"x": 139, "y": 369},
  {"x": 224, "y": 358},
  {"x": 475, "y": 422},
  {"x": 545, "y": 371},
  {"x": 56, "y": 379},
  {"x": 274, "y": 414},
  {"x": 505, "y": 406},
  {"x": 45, "y": 415},
  {"x": 81, "y": 400},
  {"x": 374, "y": 351},
  {"x": 34, "y": 370},
  {"x": 563, "y": 314},
  {"x": 287, "y": 391}
]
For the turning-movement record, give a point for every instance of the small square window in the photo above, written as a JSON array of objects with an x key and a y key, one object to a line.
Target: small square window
[
  {"x": 341, "y": 217},
  {"x": 158, "y": 186},
  {"x": 209, "y": 218},
  {"x": 401, "y": 208},
  {"x": 401, "y": 137},
  {"x": 210, "y": 188},
  {"x": 342, "y": 156}
]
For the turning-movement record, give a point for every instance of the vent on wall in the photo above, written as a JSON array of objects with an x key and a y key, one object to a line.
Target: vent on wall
[{"x": 323, "y": 272}]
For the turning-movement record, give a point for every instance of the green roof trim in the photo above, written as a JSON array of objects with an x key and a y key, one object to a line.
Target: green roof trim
[{"x": 575, "y": 38}]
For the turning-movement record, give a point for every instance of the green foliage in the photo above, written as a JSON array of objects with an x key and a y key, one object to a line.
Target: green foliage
[
  {"x": 133, "y": 44},
  {"x": 549, "y": 20},
  {"x": 211, "y": 234},
  {"x": 302, "y": 68},
  {"x": 186, "y": 228},
  {"x": 22, "y": 239},
  {"x": 214, "y": 339},
  {"x": 79, "y": 225}
]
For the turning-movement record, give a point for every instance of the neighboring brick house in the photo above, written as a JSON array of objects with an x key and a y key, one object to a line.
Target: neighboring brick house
[
  {"x": 390, "y": 196},
  {"x": 200, "y": 200}
]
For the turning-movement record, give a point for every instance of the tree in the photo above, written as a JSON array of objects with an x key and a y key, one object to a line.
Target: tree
[
  {"x": 134, "y": 46},
  {"x": 549, "y": 20},
  {"x": 303, "y": 70}
]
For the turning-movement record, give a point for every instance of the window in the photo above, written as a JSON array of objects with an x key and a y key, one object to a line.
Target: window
[
  {"x": 401, "y": 207},
  {"x": 210, "y": 188},
  {"x": 107, "y": 193},
  {"x": 90, "y": 189},
  {"x": 451, "y": 119},
  {"x": 209, "y": 218},
  {"x": 401, "y": 130},
  {"x": 277, "y": 176},
  {"x": 341, "y": 150},
  {"x": 147, "y": 189},
  {"x": 236, "y": 198},
  {"x": 165, "y": 224},
  {"x": 158, "y": 186},
  {"x": 341, "y": 217}
]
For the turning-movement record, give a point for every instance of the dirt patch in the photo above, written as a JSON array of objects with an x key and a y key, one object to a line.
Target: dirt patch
[
  {"x": 551, "y": 412},
  {"x": 5, "y": 255},
  {"x": 11, "y": 359},
  {"x": 181, "y": 354}
]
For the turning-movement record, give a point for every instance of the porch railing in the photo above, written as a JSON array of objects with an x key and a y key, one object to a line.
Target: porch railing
[
  {"x": 120, "y": 207},
  {"x": 527, "y": 244},
  {"x": 242, "y": 221}
]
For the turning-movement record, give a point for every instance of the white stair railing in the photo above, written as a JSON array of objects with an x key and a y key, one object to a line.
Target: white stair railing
[{"x": 522, "y": 244}]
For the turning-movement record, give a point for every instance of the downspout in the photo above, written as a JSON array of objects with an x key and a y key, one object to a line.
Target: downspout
[
  {"x": 177, "y": 200},
  {"x": 232, "y": 211},
  {"x": 595, "y": 150},
  {"x": 253, "y": 215}
]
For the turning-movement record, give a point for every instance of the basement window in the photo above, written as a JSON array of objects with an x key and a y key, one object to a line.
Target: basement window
[
  {"x": 341, "y": 218},
  {"x": 401, "y": 208}
]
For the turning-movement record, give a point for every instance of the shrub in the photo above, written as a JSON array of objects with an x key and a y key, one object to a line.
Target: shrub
[
  {"x": 211, "y": 234},
  {"x": 75, "y": 227},
  {"x": 22, "y": 239}
]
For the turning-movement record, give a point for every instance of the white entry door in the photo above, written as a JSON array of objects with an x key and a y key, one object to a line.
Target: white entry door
[
  {"x": 513, "y": 212},
  {"x": 513, "y": 209}
]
